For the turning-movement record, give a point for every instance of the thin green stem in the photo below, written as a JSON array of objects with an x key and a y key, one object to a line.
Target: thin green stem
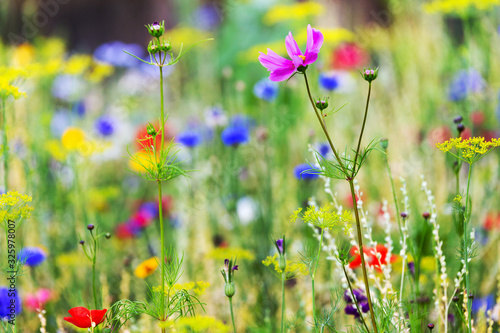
[
  {"x": 232, "y": 313},
  {"x": 283, "y": 276},
  {"x": 5, "y": 147},
  {"x": 466, "y": 250},
  {"x": 94, "y": 286},
  {"x": 362, "y": 256},
  {"x": 394, "y": 196},
  {"x": 162, "y": 239},
  {"x": 314, "y": 302},
  {"x": 162, "y": 110},
  {"x": 354, "y": 299},
  {"x": 313, "y": 275},
  {"x": 353, "y": 195},
  {"x": 362, "y": 129}
]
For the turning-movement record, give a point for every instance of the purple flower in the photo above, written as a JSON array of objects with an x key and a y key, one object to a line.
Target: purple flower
[
  {"x": 486, "y": 303},
  {"x": 465, "y": 82},
  {"x": 104, "y": 125},
  {"x": 350, "y": 309},
  {"x": 60, "y": 121},
  {"x": 113, "y": 54},
  {"x": 279, "y": 244},
  {"x": 281, "y": 68},
  {"x": 358, "y": 294},
  {"x": 324, "y": 149},
  {"x": 235, "y": 268},
  {"x": 32, "y": 256},
  {"x": 215, "y": 117},
  {"x": 411, "y": 268},
  {"x": 305, "y": 172},
  {"x": 68, "y": 87},
  {"x": 189, "y": 138}
]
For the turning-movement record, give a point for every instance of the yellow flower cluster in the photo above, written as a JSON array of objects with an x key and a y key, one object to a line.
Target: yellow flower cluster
[
  {"x": 77, "y": 64},
  {"x": 293, "y": 268},
  {"x": 14, "y": 206},
  {"x": 296, "y": 11},
  {"x": 221, "y": 253},
  {"x": 332, "y": 38},
  {"x": 469, "y": 150},
  {"x": 325, "y": 217},
  {"x": 197, "y": 287},
  {"x": 196, "y": 324},
  {"x": 7, "y": 77},
  {"x": 74, "y": 140},
  {"x": 459, "y": 6}
]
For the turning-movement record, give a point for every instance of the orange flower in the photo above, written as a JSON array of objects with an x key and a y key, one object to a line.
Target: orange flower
[{"x": 146, "y": 268}]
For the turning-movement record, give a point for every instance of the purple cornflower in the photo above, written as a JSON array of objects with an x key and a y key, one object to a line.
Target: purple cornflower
[
  {"x": 9, "y": 301},
  {"x": 281, "y": 68},
  {"x": 465, "y": 82},
  {"x": 280, "y": 245}
]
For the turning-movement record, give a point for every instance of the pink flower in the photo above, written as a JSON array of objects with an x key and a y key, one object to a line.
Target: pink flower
[
  {"x": 349, "y": 56},
  {"x": 37, "y": 300},
  {"x": 282, "y": 68}
]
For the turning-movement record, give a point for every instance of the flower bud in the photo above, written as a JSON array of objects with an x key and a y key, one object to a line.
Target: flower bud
[
  {"x": 426, "y": 215},
  {"x": 153, "y": 47},
  {"x": 370, "y": 74},
  {"x": 156, "y": 29},
  {"x": 90, "y": 227},
  {"x": 81, "y": 242},
  {"x": 165, "y": 46},
  {"x": 460, "y": 128},
  {"x": 151, "y": 130},
  {"x": 229, "y": 289},
  {"x": 321, "y": 104},
  {"x": 384, "y": 143},
  {"x": 107, "y": 235},
  {"x": 458, "y": 119},
  {"x": 431, "y": 326}
]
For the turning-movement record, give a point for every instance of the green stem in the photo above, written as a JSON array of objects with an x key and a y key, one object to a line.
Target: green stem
[
  {"x": 466, "y": 245},
  {"x": 353, "y": 195},
  {"x": 362, "y": 129},
  {"x": 162, "y": 263},
  {"x": 394, "y": 196},
  {"x": 94, "y": 259},
  {"x": 362, "y": 256},
  {"x": 232, "y": 313},
  {"x": 313, "y": 275},
  {"x": 283, "y": 275},
  {"x": 162, "y": 110},
  {"x": 5, "y": 147},
  {"x": 355, "y": 300}
]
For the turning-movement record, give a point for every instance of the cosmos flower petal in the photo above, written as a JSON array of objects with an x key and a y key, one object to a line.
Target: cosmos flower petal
[
  {"x": 282, "y": 73},
  {"x": 314, "y": 40},
  {"x": 310, "y": 58},
  {"x": 291, "y": 46},
  {"x": 272, "y": 60}
]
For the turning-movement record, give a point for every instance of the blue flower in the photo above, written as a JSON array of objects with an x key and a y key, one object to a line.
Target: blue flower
[
  {"x": 266, "y": 89},
  {"x": 235, "y": 135},
  {"x": 328, "y": 81},
  {"x": 60, "y": 121},
  {"x": 243, "y": 121},
  {"x": 79, "y": 108},
  {"x": 104, "y": 125},
  {"x": 486, "y": 303},
  {"x": 305, "y": 172},
  {"x": 149, "y": 208},
  {"x": 323, "y": 149},
  {"x": 68, "y": 87},
  {"x": 10, "y": 303},
  {"x": 189, "y": 138},
  {"x": 207, "y": 17},
  {"x": 465, "y": 83},
  {"x": 113, "y": 54},
  {"x": 32, "y": 256},
  {"x": 215, "y": 117}
]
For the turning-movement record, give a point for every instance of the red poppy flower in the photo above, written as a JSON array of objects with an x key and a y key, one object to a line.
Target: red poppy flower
[
  {"x": 84, "y": 318},
  {"x": 372, "y": 259},
  {"x": 349, "y": 56},
  {"x": 143, "y": 139},
  {"x": 492, "y": 221}
]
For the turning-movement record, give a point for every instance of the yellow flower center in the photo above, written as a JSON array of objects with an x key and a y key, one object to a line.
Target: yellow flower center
[{"x": 303, "y": 57}]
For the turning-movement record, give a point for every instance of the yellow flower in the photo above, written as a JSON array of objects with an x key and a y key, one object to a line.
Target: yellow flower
[
  {"x": 146, "y": 268},
  {"x": 7, "y": 77},
  {"x": 56, "y": 150},
  {"x": 292, "y": 268},
  {"x": 75, "y": 259},
  {"x": 51, "y": 48},
  {"x": 142, "y": 161},
  {"x": 296, "y": 11},
  {"x": 99, "y": 72},
  {"x": 14, "y": 206},
  {"x": 469, "y": 150},
  {"x": 197, "y": 324},
  {"x": 77, "y": 64},
  {"x": 221, "y": 253},
  {"x": 459, "y": 7},
  {"x": 326, "y": 218},
  {"x": 72, "y": 138},
  {"x": 23, "y": 55},
  {"x": 198, "y": 287},
  {"x": 428, "y": 264},
  {"x": 186, "y": 36}
]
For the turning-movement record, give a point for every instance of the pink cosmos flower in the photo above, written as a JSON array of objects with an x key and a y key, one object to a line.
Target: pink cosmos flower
[
  {"x": 37, "y": 300},
  {"x": 282, "y": 68}
]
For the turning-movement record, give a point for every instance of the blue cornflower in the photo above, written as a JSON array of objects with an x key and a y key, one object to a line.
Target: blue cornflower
[
  {"x": 113, "y": 54},
  {"x": 68, "y": 87},
  {"x": 305, "y": 172},
  {"x": 215, "y": 117},
  {"x": 328, "y": 81},
  {"x": 235, "y": 135},
  {"x": 465, "y": 82},
  {"x": 104, "y": 125},
  {"x": 323, "y": 149},
  {"x": 243, "y": 121},
  {"x": 190, "y": 138},
  {"x": 79, "y": 108},
  {"x": 32, "y": 256},
  {"x": 7, "y": 298},
  {"x": 486, "y": 303},
  {"x": 149, "y": 208},
  {"x": 266, "y": 89}
]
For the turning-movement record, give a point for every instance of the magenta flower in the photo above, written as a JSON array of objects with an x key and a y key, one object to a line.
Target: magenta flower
[{"x": 281, "y": 68}]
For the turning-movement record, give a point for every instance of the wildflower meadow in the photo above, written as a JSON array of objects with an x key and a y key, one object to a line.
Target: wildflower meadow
[{"x": 252, "y": 166}]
